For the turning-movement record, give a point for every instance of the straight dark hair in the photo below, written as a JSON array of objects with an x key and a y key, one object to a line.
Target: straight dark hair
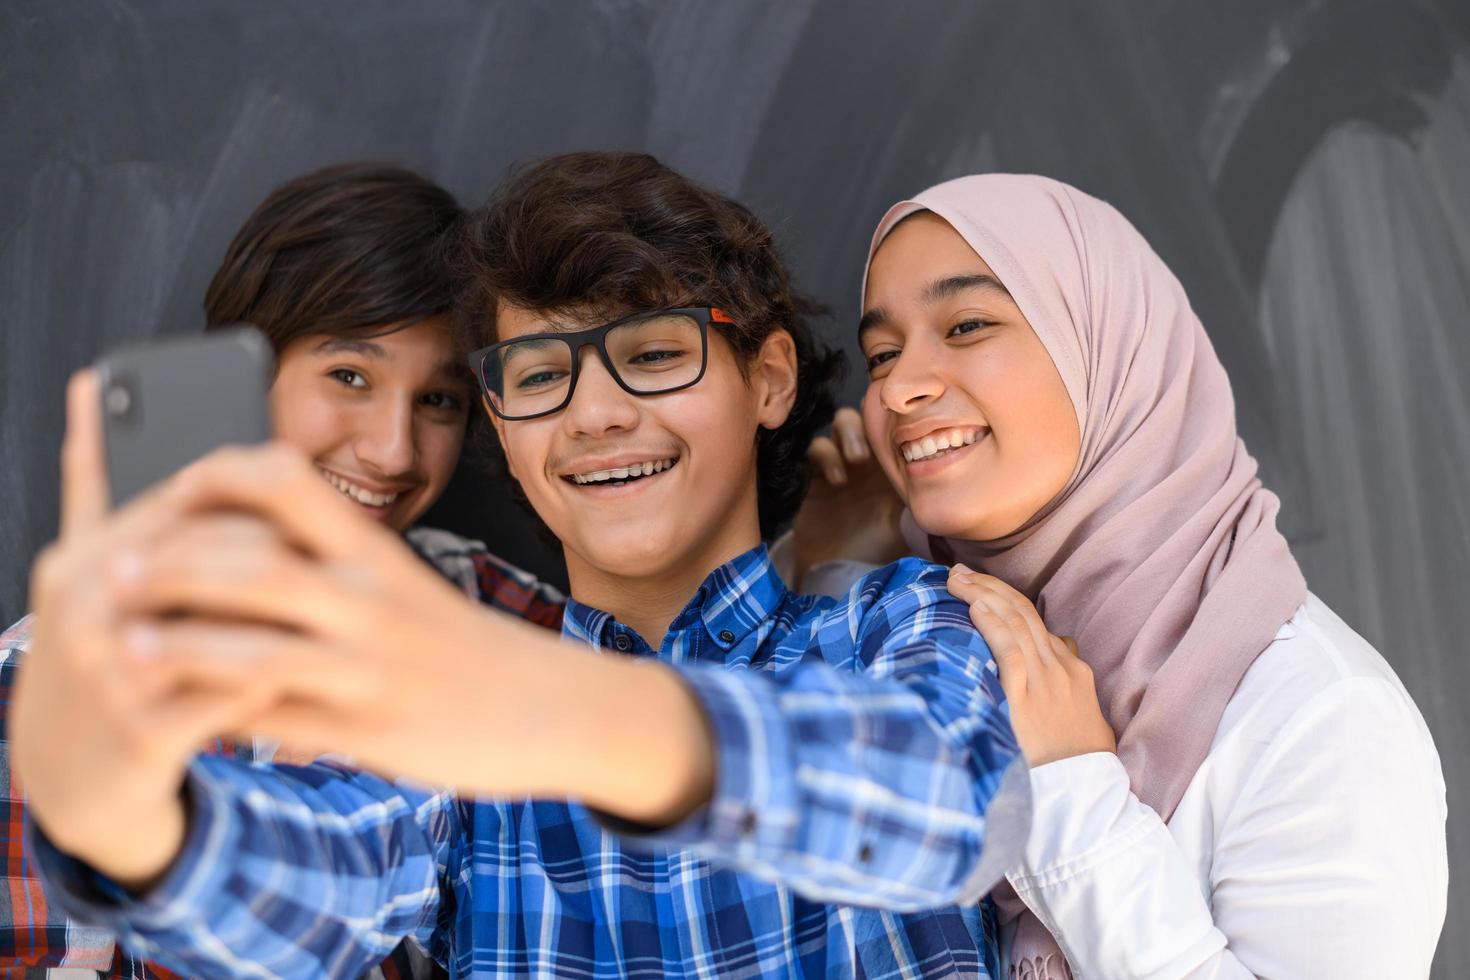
[
  {"x": 350, "y": 249},
  {"x": 599, "y": 235}
]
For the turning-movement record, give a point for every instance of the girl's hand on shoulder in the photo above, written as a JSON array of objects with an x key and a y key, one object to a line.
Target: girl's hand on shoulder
[{"x": 1054, "y": 707}]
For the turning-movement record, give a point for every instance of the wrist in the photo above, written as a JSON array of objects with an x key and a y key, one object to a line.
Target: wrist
[
  {"x": 135, "y": 851},
  {"x": 654, "y": 757}
]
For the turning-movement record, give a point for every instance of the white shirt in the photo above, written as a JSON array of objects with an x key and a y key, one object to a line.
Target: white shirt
[{"x": 1310, "y": 844}]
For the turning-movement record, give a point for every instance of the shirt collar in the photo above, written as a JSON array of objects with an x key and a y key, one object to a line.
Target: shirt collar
[{"x": 732, "y": 601}]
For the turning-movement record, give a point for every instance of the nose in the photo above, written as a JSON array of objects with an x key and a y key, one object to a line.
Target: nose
[
  {"x": 598, "y": 404},
  {"x": 386, "y": 444},
  {"x": 911, "y": 383}
]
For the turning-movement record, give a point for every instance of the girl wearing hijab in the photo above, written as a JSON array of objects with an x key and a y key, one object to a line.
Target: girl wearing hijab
[{"x": 1228, "y": 781}]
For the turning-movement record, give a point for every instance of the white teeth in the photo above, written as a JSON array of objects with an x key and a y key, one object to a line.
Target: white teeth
[
  {"x": 647, "y": 468},
  {"x": 933, "y": 445},
  {"x": 360, "y": 494}
]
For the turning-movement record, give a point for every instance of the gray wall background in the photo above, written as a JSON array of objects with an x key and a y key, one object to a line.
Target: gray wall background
[{"x": 1303, "y": 165}]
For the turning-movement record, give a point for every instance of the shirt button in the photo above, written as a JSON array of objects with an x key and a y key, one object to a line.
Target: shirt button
[
  {"x": 726, "y": 636},
  {"x": 747, "y": 823},
  {"x": 622, "y": 642},
  {"x": 865, "y": 853}
]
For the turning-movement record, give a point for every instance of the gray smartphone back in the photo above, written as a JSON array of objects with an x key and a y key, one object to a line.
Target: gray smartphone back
[{"x": 168, "y": 402}]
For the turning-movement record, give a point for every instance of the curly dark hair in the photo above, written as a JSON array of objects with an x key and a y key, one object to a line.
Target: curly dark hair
[{"x": 606, "y": 234}]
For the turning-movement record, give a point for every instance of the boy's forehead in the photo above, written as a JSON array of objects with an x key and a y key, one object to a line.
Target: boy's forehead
[{"x": 513, "y": 321}]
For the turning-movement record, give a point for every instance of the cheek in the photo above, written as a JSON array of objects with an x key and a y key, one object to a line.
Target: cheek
[
  {"x": 722, "y": 429},
  {"x": 307, "y": 419},
  {"x": 1034, "y": 421},
  {"x": 527, "y": 447},
  {"x": 440, "y": 447}
]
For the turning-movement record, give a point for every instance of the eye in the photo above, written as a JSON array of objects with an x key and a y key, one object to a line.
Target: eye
[
  {"x": 539, "y": 379},
  {"x": 879, "y": 358},
  {"x": 348, "y": 377},
  {"x": 443, "y": 400},
  {"x": 965, "y": 327},
  {"x": 653, "y": 358}
]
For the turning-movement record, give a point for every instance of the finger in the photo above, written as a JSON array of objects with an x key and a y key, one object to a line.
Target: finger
[
  {"x": 961, "y": 575},
  {"x": 84, "y": 491},
  {"x": 1005, "y": 628},
  {"x": 232, "y": 533},
  {"x": 270, "y": 585},
  {"x": 272, "y": 665},
  {"x": 68, "y": 571},
  {"x": 1071, "y": 646},
  {"x": 847, "y": 432},
  {"x": 1010, "y": 659},
  {"x": 277, "y": 482},
  {"x": 1020, "y": 613},
  {"x": 826, "y": 459}
]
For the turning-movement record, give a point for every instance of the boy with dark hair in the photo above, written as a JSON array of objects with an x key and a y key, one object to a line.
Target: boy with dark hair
[
  {"x": 343, "y": 271},
  {"x": 710, "y": 776}
]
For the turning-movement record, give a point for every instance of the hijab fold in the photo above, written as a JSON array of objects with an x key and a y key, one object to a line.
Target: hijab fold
[{"x": 1161, "y": 555}]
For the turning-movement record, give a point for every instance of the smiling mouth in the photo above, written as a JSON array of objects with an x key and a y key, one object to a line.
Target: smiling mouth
[
  {"x": 941, "y": 443},
  {"x": 619, "y": 476},
  {"x": 362, "y": 495}
]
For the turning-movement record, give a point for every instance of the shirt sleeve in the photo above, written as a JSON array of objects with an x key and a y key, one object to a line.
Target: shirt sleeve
[
  {"x": 297, "y": 871},
  {"x": 883, "y": 772},
  {"x": 1329, "y": 863}
]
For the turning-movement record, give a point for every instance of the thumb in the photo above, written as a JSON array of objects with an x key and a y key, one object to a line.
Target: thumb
[{"x": 84, "y": 493}]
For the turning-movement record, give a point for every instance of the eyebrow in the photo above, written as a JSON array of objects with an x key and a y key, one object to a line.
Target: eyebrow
[
  {"x": 934, "y": 292},
  {"x": 950, "y": 285},
  {"x": 350, "y": 346},
  {"x": 535, "y": 343}
]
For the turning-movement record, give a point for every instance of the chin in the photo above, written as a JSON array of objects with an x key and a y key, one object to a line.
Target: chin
[
  {"x": 947, "y": 520},
  {"x": 632, "y": 553}
]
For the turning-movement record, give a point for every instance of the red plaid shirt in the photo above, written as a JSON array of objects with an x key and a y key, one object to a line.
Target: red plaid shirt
[{"x": 33, "y": 936}]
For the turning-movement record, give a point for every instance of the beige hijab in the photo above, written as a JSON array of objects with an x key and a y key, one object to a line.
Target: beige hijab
[{"x": 1161, "y": 554}]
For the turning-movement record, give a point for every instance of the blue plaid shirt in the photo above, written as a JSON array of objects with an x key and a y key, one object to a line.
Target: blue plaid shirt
[{"x": 869, "y": 792}]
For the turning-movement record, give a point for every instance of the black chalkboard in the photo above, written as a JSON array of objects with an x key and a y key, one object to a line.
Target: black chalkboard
[{"x": 1303, "y": 165}]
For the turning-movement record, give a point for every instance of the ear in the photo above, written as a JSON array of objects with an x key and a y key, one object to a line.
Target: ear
[
  {"x": 499, "y": 424},
  {"x": 773, "y": 378}
]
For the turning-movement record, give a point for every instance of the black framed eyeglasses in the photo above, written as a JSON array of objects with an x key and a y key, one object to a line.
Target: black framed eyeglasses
[{"x": 650, "y": 353}]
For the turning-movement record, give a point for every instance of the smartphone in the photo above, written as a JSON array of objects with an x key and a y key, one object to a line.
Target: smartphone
[{"x": 168, "y": 402}]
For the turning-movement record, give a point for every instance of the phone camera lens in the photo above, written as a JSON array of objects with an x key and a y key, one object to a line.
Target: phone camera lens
[{"x": 118, "y": 401}]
